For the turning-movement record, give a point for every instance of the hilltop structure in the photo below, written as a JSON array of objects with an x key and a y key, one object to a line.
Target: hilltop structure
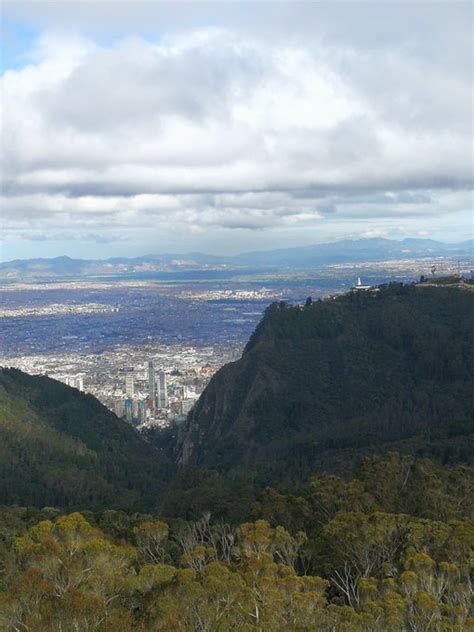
[{"x": 359, "y": 286}]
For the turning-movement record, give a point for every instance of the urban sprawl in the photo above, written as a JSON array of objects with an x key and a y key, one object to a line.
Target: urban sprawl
[{"x": 149, "y": 387}]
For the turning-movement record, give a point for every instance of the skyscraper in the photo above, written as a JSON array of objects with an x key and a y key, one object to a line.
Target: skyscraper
[
  {"x": 162, "y": 390},
  {"x": 128, "y": 409},
  {"x": 129, "y": 385},
  {"x": 151, "y": 382},
  {"x": 142, "y": 411},
  {"x": 119, "y": 407}
]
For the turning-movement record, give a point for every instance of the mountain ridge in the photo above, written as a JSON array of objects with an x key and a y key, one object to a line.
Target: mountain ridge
[
  {"x": 317, "y": 388},
  {"x": 304, "y": 257},
  {"x": 321, "y": 385}
]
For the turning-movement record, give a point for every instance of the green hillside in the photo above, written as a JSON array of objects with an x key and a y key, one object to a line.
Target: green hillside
[
  {"x": 60, "y": 447},
  {"x": 389, "y": 547},
  {"x": 319, "y": 386}
]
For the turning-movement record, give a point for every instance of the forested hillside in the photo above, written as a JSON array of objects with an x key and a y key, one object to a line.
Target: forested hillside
[
  {"x": 322, "y": 389},
  {"x": 60, "y": 447},
  {"x": 390, "y": 549},
  {"x": 319, "y": 386}
]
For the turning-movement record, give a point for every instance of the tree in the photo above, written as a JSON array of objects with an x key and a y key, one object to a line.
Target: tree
[
  {"x": 70, "y": 577},
  {"x": 150, "y": 536}
]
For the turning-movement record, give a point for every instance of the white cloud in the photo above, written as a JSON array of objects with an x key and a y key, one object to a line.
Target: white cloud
[{"x": 217, "y": 128}]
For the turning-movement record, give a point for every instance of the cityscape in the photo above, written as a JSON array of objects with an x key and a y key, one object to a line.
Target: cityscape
[
  {"x": 152, "y": 386},
  {"x": 236, "y": 316},
  {"x": 144, "y": 349},
  {"x": 147, "y": 349}
]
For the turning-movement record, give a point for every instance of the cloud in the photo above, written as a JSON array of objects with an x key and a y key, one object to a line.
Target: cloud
[{"x": 218, "y": 128}]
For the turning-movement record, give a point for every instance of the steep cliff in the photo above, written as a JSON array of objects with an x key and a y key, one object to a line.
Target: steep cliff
[{"x": 320, "y": 385}]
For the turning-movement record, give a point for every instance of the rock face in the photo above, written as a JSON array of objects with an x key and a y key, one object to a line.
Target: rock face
[{"x": 320, "y": 385}]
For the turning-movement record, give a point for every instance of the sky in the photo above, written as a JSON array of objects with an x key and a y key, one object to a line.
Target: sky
[{"x": 148, "y": 127}]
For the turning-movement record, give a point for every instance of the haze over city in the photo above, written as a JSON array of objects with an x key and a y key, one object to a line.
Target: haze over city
[{"x": 140, "y": 127}]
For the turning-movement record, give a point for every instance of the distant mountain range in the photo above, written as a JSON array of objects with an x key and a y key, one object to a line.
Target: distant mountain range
[{"x": 302, "y": 258}]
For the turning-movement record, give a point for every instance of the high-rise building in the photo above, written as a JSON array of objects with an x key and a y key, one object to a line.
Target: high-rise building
[
  {"x": 151, "y": 382},
  {"x": 128, "y": 409},
  {"x": 162, "y": 390},
  {"x": 135, "y": 405},
  {"x": 129, "y": 385},
  {"x": 142, "y": 411},
  {"x": 76, "y": 381},
  {"x": 119, "y": 407}
]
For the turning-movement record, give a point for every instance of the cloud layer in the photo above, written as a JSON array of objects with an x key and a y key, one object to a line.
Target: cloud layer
[{"x": 218, "y": 129}]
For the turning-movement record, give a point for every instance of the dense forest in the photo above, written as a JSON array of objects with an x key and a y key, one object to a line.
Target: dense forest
[
  {"x": 302, "y": 499},
  {"x": 316, "y": 388},
  {"x": 390, "y": 549},
  {"x": 60, "y": 447},
  {"x": 319, "y": 386}
]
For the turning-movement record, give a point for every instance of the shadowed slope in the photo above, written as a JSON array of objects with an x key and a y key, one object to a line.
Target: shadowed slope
[
  {"x": 318, "y": 386},
  {"x": 61, "y": 447}
]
